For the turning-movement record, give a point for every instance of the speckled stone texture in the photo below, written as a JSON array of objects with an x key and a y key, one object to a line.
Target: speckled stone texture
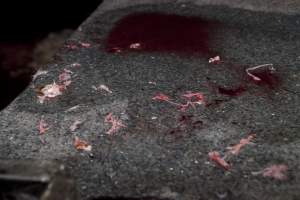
[{"x": 154, "y": 156}]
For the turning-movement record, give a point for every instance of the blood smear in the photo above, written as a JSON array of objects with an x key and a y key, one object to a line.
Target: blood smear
[
  {"x": 267, "y": 78},
  {"x": 232, "y": 91},
  {"x": 152, "y": 32}
]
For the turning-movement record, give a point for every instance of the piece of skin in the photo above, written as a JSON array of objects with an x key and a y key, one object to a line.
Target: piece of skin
[
  {"x": 115, "y": 124},
  {"x": 216, "y": 157},
  {"x": 80, "y": 144},
  {"x": 276, "y": 171}
]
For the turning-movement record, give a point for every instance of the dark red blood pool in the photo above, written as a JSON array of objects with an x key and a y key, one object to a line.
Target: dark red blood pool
[
  {"x": 153, "y": 32},
  {"x": 267, "y": 78},
  {"x": 232, "y": 91}
]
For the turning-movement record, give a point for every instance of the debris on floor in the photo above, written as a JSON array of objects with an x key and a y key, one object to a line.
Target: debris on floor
[
  {"x": 73, "y": 108},
  {"x": 39, "y": 73},
  {"x": 43, "y": 126},
  {"x": 216, "y": 157},
  {"x": 65, "y": 77},
  {"x": 135, "y": 46},
  {"x": 75, "y": 125},
  {"x": 192, "y": 99},
  {"x": 235, "y": 150},
  {"x": 116, "y": 124},
  {"x": 74, "y": 46},
  {"x": 256, "y": 78},
  {"x": 215, "y": 60},
  {"x": 50, "y": 91},
  {"x": 80, "y": 144},
  {"x": 277, "y": 171},
  {"x": 53, "y": 90},
  {"x": 102, "y": 88},
  {"x": 231, "y": 151}
]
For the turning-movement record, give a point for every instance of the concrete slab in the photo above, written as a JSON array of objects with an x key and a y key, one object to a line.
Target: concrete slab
[{"x": 162, "y": 151}]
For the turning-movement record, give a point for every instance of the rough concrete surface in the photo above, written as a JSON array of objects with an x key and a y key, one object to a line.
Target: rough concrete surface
[
  {"x": 153, "y": 155},
  {"x": 287, "y": 6}
]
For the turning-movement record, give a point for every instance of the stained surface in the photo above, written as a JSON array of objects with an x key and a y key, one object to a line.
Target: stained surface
[
  {"x": 161, "y": 33},
  {"x": 162, "y": 151}
]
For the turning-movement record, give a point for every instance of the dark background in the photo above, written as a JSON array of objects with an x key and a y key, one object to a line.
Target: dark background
[{"x": 23, "y": 26}]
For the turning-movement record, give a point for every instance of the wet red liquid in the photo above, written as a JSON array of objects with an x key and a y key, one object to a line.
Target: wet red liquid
[
  {"x": 232, "y": 92},
  {"x": 161, "y": 32},
  {"x": 267, "y": 78}
]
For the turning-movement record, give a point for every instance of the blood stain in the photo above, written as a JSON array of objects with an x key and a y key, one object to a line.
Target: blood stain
[
  {"x": 152, "y": 32},
  {"x": 267, "y": 78},
  {"x": 232, "y": 91},
  {"x": 184, "y": 119},
  {"x": 216, "y": 102}
]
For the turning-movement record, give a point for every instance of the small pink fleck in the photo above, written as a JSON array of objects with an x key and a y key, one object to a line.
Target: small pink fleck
[
  {"x": 64, "y": 76},
  {"x": 197, "y": 97},
  {"x": 193, "y": 99},
  {"x": 71, "y": 46},
  {"x": 115, "y": 50},
  {"x": 135, "y": 46},
  {"x": 76, "y": 65},
  {"x": 43, "y": 126},
  {"x": 50, "y": 91},
  {"x": 161, "y": 97},
  {"x": 75, "y": 125},
  {"x": 215, "y": 60}
]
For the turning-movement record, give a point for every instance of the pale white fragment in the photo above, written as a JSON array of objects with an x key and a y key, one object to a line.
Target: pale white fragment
[
  {"x": 75, "y": 125},
  {"x": 102, "y": 88},
  {"x": 39, "y": 73},
  {"x": 214, "y": 60},
  {"x": 50, "y": 91},
  {"x": 270, "y": 67}
]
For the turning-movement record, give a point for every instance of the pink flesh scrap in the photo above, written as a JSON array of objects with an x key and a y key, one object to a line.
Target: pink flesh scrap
[
  {"x": 192, "y": 100},
  {"x": 43, "y": 127},
  {"x": 64, "y": 76},
  {"x": 215, "y": 156},
  {"x": 235, "y": 150},
  {"x": 53, "y": 90},
  {"x": 81, "y": 145},
  {"x": 115, "y": 123},
  {"x": 50, "y": 91},
  {"x": 276, "y": 172},
  {"x": 161, "y": 97}
]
